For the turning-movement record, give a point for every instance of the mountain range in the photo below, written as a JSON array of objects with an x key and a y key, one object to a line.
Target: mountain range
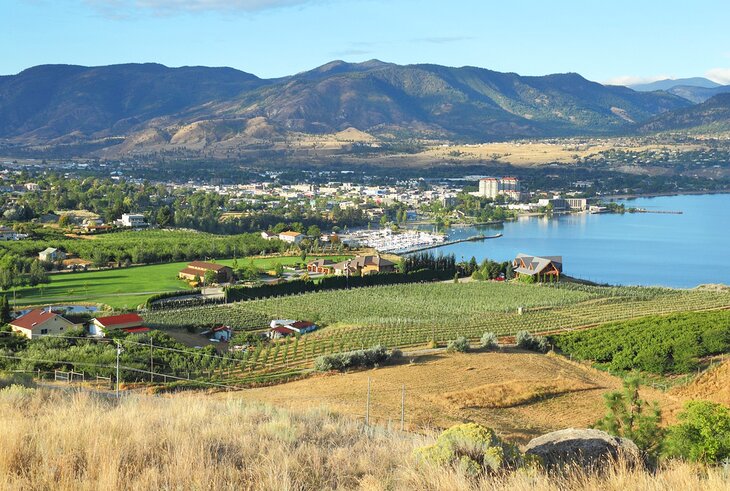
[
  {"x": 143, "y": 107},
  {"x": 695, "y": 89}
]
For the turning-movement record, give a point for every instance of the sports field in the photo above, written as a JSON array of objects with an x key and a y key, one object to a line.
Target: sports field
[{"x": 124, "y": 288}]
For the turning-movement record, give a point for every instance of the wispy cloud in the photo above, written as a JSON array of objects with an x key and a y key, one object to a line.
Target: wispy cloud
[
  {"x": 719, "y": 75},
  {"x": 130, "y": 8},
  {"x": 635, "y": 80}
]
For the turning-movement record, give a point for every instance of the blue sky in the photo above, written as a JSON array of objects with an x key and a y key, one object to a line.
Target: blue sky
[{"x": 608, "y": 41}]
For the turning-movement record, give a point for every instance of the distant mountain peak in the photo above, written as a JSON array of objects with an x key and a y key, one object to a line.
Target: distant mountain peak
[{"x": 669, "y": 83}]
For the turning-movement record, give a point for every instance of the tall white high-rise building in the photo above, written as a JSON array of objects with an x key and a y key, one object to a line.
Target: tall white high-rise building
[{"x": 489, "y": 187}]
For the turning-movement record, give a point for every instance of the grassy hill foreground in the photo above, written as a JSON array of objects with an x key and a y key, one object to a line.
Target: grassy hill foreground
[{"x": 76, "y": 441}]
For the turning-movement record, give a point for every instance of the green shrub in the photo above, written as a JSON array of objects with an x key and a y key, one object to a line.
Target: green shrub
[
  {"x": 527, "y": 341},
  {"x": 702, "y": 435},
  {"x": 472, "y": 448},
  {"x": 460, "y": 345},
  {"x": 351, "y": 359},
  {"x": 488, "y": 341}
]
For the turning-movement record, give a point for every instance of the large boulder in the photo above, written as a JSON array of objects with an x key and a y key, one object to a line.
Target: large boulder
[{"x": 587, "y": 448}]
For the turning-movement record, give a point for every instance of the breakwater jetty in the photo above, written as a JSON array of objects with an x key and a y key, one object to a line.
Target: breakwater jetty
[{"x": 473, "y": 238}]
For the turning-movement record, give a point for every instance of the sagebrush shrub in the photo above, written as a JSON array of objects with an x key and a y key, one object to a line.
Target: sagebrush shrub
[
  {"x": 527, "y": 341},
  {"x": 460, "y": 344},
  {"x": 488, "y": 341}
]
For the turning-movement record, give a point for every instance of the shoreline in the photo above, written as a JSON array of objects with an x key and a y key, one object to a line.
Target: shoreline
[{"x": 658, "y": 195}]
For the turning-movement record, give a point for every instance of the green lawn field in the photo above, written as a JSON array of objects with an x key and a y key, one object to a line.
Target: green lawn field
[{"x": 124, "y": 288}]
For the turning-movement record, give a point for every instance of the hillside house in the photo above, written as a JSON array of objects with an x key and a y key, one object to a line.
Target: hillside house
[
  {"x": 197, "y": 269},
  {"x": 364, "y": 265},
  {"x": 291, "y": 237},
  {"x": 51, "y": 254},
  {"x": 280, "y": 329},
  {"x": 129, "y": 323},
  {"x": 132, "y": 220},
  {"x": 41, "y": 322},
  {"x": 538, "y": 267},
  {"x": 324, "y": 266}
]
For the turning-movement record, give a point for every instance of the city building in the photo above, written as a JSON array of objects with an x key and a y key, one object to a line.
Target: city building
[{"x": 491, "y": 187}]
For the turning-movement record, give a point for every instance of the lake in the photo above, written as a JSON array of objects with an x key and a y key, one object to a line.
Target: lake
[{"x": 630, "y": 249}]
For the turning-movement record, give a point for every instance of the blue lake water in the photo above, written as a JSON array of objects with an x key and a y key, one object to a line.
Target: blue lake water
[{"x": 630, "y": 249}]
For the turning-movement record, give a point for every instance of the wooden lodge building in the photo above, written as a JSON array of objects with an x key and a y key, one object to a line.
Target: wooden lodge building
[
  {"x": 197, "y": 269},
  {"x": 538, "y": 267}
]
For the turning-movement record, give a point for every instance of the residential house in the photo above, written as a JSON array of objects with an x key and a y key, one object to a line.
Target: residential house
[
  {"x": 41, "y": 322},
  {"x": 283, "y": 328},
  {"x": 51, "y": 254},
  {"x": 197, "y": 269},
  {"x": 132, "y": 220},
  {"x": 269, "y": 235},
  {"x": 291, "y": 237},
  {"x": 364, "y": 265},
  {"x": 324, "y": 266},
  {"x": 7, "y": 233},
  {"x": 538, "y": 267},
  {"x": 220, "y": 333},
  {"x": 129, "y": 323}
]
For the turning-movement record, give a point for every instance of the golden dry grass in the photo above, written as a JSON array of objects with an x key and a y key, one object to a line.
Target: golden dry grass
[
  {"x": 546, "y": 393},
  {"x": 713, "y": 385},
  {"x": 510, "y": 394},
  {"x": 64, "y": 441}
]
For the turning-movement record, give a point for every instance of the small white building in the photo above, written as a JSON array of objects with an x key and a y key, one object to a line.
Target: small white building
[
  {"x": 41, "y": 322},
  {"x": 291, "y": 237},
  {"x": 51, "y": 254},
  {"x": 133, "y": 220}
]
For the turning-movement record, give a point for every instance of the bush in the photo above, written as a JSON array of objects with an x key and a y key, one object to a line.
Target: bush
[
  {"x": 460, "y": 344},
  {"x": 351, "y": 359},
  {"x": 527, "y": 341},
  {"x": 489, "y": 341},
  {"x": 703, "y": 434},
  {"x": 472, "y": 448}
]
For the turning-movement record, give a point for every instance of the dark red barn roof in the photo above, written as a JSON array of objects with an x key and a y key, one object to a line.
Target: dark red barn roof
[{"x": 115, "y": 320}]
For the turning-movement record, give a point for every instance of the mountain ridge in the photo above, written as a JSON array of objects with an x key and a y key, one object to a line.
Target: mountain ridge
[{"x": 151, "y": 102}]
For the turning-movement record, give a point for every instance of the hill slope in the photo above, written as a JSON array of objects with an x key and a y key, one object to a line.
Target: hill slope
[
  {"x": 149, "y": 104},
  {"x": 711, "y": 115}
]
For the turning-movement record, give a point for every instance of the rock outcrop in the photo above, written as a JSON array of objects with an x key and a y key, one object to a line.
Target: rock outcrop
[{"x": 587, "y": 448}]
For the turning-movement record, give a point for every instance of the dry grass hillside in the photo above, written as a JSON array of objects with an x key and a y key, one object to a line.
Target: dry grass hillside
[
  {"x": 713, "y": 385},
  {"x": 520, "y": 394},
  {"x": 66, "y": 441}
]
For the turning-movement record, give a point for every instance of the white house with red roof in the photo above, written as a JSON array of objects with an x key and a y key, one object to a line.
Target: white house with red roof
[
  {"x": 41, "y": 322},
  {"x": 129, "y": 323},
  {"x": 283, "y": 328}
]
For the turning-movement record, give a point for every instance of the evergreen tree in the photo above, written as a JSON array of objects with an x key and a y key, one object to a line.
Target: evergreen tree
[{"x": 4, "y": 310}]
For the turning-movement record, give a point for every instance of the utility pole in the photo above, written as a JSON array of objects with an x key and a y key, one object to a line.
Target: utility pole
[
  {"x": 367, "y": 406},
  {"x": 403, "y": 407},
  {"x": 119, "y": 352}
]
